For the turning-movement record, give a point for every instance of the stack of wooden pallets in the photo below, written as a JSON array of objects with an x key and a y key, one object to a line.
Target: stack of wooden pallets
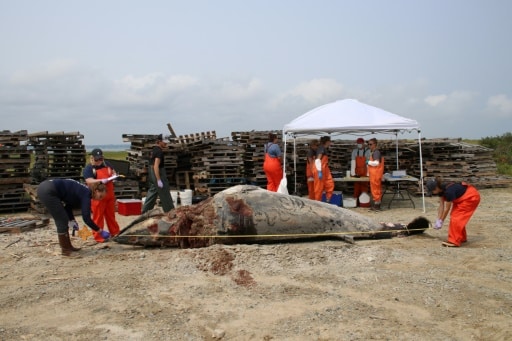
[
  {"x": 14, "y": 171},
  {"x": 139, "y": 156},
  {"x": 59, "y": 154},
  {"x": 254, "y": 156},
  {"x": 219, "y": 164}
]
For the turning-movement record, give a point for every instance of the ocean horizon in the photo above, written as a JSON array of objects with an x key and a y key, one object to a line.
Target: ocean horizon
[{"x": 108, "y": 147}]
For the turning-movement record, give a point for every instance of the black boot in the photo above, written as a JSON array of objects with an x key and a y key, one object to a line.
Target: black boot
[{"x": 375, "y": 207}]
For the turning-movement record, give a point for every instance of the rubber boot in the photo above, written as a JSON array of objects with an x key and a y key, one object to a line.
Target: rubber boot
[
  {"x": 72, "y": 247},
  {"x": 375, "y": 207},
  {"x": 65, "y": 245}
]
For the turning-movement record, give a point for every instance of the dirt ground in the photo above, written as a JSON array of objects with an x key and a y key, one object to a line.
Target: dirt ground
[{"x": 393, "y": 289}]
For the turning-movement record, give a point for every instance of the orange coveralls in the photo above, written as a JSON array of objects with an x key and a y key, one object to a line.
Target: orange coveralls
[
  {"x": 326, "y": 184},
  {"x": 361, "y": 170},
  {"x": 274, "y": 172},
  {"x": 105, "y": 209},
  {"x": 376, "y": 174},
  {"x": 462, "y": 210}
]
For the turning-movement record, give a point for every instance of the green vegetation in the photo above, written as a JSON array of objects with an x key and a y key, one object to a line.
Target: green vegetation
[
  {"x": 502, "y": 154},
  {"x": 115, "y": 155}
]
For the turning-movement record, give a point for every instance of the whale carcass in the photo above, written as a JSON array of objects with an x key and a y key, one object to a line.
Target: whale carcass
[{"x": 246, "y": 213}]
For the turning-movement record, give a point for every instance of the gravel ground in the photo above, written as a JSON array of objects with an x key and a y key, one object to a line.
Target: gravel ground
[{"x": 391, "y": 289}]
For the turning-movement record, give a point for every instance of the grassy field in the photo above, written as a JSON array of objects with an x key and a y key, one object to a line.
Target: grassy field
[{"x": 116, "y": 155}]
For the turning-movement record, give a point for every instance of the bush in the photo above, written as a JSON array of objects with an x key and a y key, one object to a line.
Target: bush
[{"x": 502, "y": 146}]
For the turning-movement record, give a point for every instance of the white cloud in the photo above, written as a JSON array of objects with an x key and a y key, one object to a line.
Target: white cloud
[
  {"x": 66, "y": 96},
  {"x": 232, "y": 91},
  {"x": 313, "y": 92},
  {"x": 45, "y": 73},
  {"x": 434, "y": 101},
  {"x": 152, "y": 89},
  {"x": 499, "y": 106}
]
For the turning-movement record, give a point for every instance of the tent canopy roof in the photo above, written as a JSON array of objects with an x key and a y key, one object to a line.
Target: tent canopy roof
[{"x": 348, "y": 116}]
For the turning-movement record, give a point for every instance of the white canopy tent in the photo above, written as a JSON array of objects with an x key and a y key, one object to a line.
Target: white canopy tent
[{"x": 350, "y": 116}]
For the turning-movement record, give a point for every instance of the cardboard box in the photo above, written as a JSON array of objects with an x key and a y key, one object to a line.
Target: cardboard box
[{"x": 129, "y": 206}]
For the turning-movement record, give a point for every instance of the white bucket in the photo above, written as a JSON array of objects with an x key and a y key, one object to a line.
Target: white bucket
[
  {"x": 186, "y": 197},
  {"x": 349, "y": 203},
  {"x": 174, "y": 196}
]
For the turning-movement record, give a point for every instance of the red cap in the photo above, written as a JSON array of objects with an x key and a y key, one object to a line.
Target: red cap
[{"x": 360, "y": 140}]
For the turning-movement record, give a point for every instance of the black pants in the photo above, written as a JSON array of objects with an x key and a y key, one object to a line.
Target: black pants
[
  {"x": 49, "y": 198},
  {"x": 154, "y": 192}
]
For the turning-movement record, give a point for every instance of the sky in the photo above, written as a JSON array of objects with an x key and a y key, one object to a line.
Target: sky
[{"x": 108, "y": 68}]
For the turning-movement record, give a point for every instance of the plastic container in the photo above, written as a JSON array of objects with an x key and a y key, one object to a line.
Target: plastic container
[
  {"x": 174, "y": 196},
  {"x": 349, "y": 203},
  {"x": 364, "y": 200},
  {"x": 336, "y": 198},
  {"x": 186, "y": 197},
  {"x": 129, "y": 206},
  {"x": 198, "y": 198}
]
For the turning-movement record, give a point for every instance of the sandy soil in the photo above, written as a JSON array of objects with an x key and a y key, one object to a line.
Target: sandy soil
[{"x": 394, "y": 289}]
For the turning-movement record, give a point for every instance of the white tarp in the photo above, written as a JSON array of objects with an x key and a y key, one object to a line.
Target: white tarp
[{"x": 349, "y": 116}]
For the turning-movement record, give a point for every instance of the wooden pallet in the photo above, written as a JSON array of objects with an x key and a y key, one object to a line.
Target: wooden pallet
[{"x": 21, "y": 224}]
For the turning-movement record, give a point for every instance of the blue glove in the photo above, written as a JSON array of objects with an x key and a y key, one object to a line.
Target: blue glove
[
  {"x": 320, "y": 175},
  {"x": 104, "y": 234},
  {"x": 439, "y": 224},
  {"x": 160, "y": 184}
]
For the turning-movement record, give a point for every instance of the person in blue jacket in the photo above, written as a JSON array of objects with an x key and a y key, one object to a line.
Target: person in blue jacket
[{"x": 60, "y": 197}]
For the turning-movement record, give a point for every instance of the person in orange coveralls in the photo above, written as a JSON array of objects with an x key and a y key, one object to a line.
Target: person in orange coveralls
[
  {"x": 323, "y": 177},
  {"x": 360, "y": 157},
  {"x": 103, "y": 210},
  {"x": 310, "y": 168},
  {"x": 376, "y": 172},
  {"x": 272, "y": 164},
  {"x": 462, "y": 200}
]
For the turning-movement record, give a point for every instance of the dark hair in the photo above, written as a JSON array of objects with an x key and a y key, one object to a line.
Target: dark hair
[
  {"x": 272, "y": 137},
  {"x": 324, "y": 139},
  {"x": 434, "y": 183}
]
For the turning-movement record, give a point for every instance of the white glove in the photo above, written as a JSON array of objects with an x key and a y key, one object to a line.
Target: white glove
[
  {"x": 73, "y": 225},
  {"x": 353, "y": 167}
]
